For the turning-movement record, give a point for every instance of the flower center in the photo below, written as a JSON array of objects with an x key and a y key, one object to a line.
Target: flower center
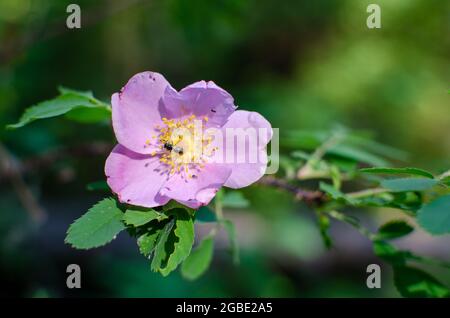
[{"x": 182, "y": 143}]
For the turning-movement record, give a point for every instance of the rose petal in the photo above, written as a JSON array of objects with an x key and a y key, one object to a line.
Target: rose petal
[
  {"x": 136, "y": 178},
  {"x": 136, "y": 110},
  {"x": 198, "y": 190},
  {"x": 249, "y": 161},
  {"x": 201, "y": 99}
]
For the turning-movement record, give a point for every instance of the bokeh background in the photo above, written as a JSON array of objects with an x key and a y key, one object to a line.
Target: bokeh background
[{"x": 302, "y": 64}]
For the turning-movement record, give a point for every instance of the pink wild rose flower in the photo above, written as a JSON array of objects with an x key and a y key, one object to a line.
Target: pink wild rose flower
[{"x": 184, "y": 145}]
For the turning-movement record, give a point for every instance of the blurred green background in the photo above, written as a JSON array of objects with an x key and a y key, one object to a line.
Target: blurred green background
[{"x": 302, "y": 64}]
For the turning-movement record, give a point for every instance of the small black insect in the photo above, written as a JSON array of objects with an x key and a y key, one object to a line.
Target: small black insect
[{"x": 168, "y": 146}]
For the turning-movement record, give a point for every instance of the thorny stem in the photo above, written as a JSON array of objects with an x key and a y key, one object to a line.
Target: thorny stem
[{"x": 308, "y": 196}]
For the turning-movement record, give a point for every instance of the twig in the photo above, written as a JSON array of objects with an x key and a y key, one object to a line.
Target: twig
[
  {"x": 11, "y": 167},
  {"x": 310, "y": 197}
]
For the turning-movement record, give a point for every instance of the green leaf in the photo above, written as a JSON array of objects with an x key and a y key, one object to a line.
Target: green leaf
[
  {"x": 163, "y": 246},
  {"x": 413, "y": 282},
  {"x": 446, "y": 181},
  {"x": 235, "y": 199},
  {"x": 205, "y": 214},
  {"x": 174, "y": 244},
  {"x": 98, "y": 226},
  {"x": 409, "y": 171},
  {"x": 336, "y": 177},
  {"x": 391, "y": 254},
  {"x": 409, "y": 184},
  {"x": 68, "y": 101},
  {"x": 324, "y": 227},
  {"x": 88, "y": 115},
  {"x": 335, "y": 193},
  {"x": 435, "y": 216},
  {"x": 359, "y": 146},
  {"x": 147, "y": 242},
  {"x": 172, "y": 204},
  {"x": 137, "y": 218},
  {"x": 64, "y": 90},
  {"x": 234, "y": 247},
  {"x": 299, "y": 154},
  {"x": 394, "y": 229},
  {"x": 360, "y": 155},
  {"x": 199, "y": 259}
]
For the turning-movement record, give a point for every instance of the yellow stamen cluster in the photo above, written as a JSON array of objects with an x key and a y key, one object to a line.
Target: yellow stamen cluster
[{"x": 182, "y": 142}]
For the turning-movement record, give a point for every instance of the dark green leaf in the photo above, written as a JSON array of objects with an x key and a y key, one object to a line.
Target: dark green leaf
[
  {"x": 199, "y": 259},
  {"x": 394, "y": 229},
  {"x": 98, "y": 226},
  {"x": 409, "y": 171},
  {"x": 435, "y": 216},
  {"x": 97, "y": 185},
  {"x": 172, "y": 204},
  {"x": 413, "y": 282},
  {"x": 409, "y": 184}
]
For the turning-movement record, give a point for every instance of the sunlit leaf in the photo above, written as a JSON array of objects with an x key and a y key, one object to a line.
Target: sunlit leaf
[
  {"x": 142, "y": 216},
  {"x": 98, "y": 226},
  {"x": 409, "y": 171},
  {"x": 82, "y": 103}
]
